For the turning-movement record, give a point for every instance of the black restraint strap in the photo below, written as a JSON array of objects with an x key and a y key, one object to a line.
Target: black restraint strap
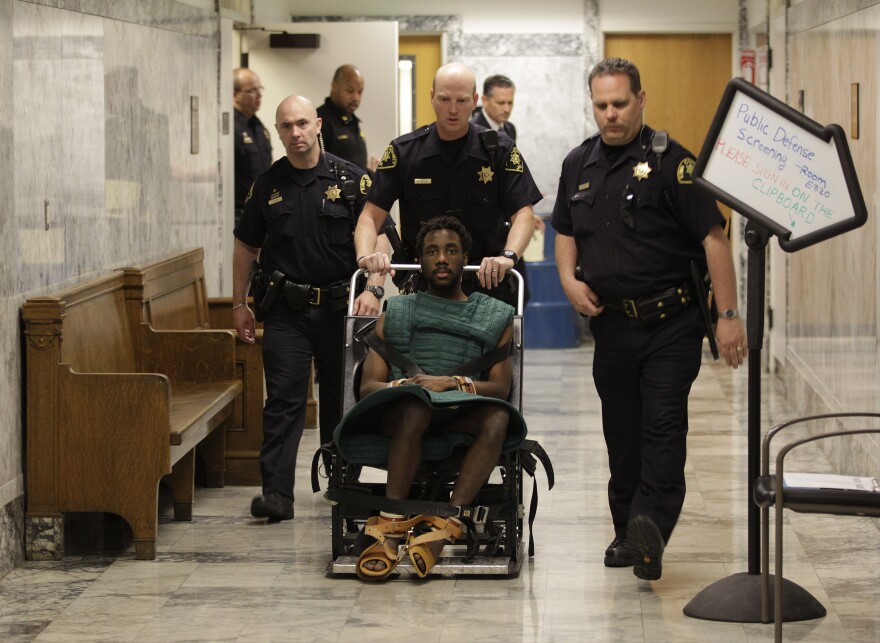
[{"x": 411, "y": 369}]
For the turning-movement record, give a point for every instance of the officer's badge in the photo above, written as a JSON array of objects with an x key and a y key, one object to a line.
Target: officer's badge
[
  {"x": 485, "y": 174},
  {"x": 514, "y": 161},
  {"x": 345, "y": 119},
  {"x": 333, "y": 193},
  {"x": 389, "y": 159},
  {"x": 274, "y": 198},
  {"x": 584, "y": 186},
  {"x": 250, "y": 193},
  {"x": 246, "y": 138},
  {"x": 685, "y": 171},
  {"x": 641, "y": 170},
  {"x": 366, "y": 182}
]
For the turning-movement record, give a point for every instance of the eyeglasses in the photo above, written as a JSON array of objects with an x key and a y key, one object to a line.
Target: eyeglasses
[
  {"x": 254, "y": 91},
  {"x": 630, "y": 201}
]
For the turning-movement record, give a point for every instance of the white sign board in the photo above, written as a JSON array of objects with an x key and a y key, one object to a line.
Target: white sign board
[{"x": 771, "y": 163}]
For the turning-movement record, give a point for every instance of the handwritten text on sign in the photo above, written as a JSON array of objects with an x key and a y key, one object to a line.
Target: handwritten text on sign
[{"x": 786, "y": 173}]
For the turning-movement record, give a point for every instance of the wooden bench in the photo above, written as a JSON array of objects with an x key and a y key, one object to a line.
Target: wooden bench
[
  {"x": 170, "y": 294},
  {"x": 113, "y": 408}
]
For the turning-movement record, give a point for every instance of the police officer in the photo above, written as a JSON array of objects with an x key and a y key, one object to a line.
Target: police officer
[
  {"x": 341, "y": 128},
  {"x": 253, "y": 149},
  {"x": 450, "y": 168},
  {"x": 298, "y": 214},
  {"x": 633, "y": 222}
]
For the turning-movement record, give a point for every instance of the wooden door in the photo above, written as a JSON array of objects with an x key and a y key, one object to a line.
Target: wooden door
[
  {"x": 427, "y": 53},
  {"x": 683, "y": 76}
]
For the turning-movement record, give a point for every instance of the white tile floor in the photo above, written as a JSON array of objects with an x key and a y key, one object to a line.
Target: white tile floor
[{"x": 225, "y": 576}]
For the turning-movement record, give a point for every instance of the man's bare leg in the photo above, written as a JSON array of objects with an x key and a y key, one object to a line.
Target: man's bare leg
[
  {"x": 488, "y": 425},
  {"x": 406, "y": 423}
]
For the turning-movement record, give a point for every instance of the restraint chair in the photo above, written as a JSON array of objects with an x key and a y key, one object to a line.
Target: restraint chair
[{"x": 494, "y": 525}]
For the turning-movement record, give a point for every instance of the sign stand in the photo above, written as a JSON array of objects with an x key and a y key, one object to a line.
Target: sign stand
[
  {"x": 737, "y": 598},
  {"x": 793, "y": 178}
]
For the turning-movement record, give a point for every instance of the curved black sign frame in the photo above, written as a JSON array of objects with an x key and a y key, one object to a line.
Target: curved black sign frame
[{"x": 826, "y": 133}]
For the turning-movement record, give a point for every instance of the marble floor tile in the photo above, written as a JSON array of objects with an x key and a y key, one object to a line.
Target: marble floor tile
[{"x": 227, "y": 577}]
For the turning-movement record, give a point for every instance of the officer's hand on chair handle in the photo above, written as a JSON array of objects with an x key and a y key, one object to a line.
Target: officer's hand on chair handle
[
  {"x": 377, "y": 263},
  {"x": 492, "y": 271}
]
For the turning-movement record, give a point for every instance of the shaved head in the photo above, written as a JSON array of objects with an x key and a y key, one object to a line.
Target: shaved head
[
  {"x": 298, "y": 126},
  {"x": 298, "y": 103},
  {"x": 453, "y": 97},
  {"x": 347, "y": 88},
  {"x": 453, "y": 71}
]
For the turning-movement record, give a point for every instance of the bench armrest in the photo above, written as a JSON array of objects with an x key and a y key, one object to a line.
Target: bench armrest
[
  {"x": 188, "y": 355},
  {"x": 108, "y": 423}
]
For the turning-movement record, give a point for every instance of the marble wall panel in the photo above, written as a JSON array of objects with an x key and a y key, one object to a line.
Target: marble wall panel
[
  {"x": 95, "y": 118},
  {"x": 832, "y": 362},
  {"x": 11, "y": 551}
]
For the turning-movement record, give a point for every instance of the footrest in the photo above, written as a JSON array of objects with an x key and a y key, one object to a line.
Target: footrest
[{"x": 446, "y": 565}]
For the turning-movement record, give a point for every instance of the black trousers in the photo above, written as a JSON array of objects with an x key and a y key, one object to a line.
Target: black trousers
[
  {"x": 290, "y": 341},
  {"x": 643, "y": 375}
]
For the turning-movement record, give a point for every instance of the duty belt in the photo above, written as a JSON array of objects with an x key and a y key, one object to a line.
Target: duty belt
[
  {"x": 298, "y": 296},
  {"x": 652, "y": 309}
]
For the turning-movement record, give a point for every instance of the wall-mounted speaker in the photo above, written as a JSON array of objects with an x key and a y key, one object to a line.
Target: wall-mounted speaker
[{"x": 294, "y": 40}]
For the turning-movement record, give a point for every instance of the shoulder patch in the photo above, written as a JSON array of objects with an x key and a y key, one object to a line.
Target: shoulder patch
[
  {"x": 366, "y": 182},
  {"x": 514, "y": 161},
  {"x": 685, "y": 171},
  {"x": 389, "y": 159}
]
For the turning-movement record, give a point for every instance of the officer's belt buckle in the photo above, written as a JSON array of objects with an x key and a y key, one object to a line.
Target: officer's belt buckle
[
  {"x": 630, "y": 308},
  {"x": 315, "y": 296}
]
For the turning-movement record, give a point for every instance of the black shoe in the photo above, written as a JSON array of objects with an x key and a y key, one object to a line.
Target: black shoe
[
  {"x": 273, "y": 506},
  {"x": 647, "y": 546},
  {"x": 619, "y": 554}
]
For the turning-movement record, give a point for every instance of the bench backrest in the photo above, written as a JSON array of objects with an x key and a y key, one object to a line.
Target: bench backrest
[
  {"x": 86, "y": 326},
  {"x": 170, "y": 293}
]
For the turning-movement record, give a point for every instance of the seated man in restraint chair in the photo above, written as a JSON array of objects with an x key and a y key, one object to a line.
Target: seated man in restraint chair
[{"x": 437, "y": 329}]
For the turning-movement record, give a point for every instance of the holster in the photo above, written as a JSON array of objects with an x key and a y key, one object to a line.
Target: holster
[
  {"x": 337, "y": 294},
  {"x": 270, "y": 293},
  {"x": 296, "y": 295}
]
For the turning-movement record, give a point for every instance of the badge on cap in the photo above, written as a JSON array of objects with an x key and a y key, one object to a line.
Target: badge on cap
[
  {"x": 641, "y": 170},
  {"x": 485, "y": 174}
]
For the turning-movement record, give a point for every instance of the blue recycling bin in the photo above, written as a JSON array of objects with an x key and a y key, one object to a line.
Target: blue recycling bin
[{"x": 550, "y": 320}]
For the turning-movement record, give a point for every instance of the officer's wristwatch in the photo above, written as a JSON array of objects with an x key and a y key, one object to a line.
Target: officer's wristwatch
[
  {"x": 510, "y": 254},
  {"x": 730, "y": 313},
  {"x": 379, "y": 291}
]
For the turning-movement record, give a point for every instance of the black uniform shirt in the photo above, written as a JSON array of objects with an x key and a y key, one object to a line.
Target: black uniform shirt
[
  {"x": 482, "y": 192},
  {"x": 253, "y": 154},
  {"x": 342, "y": 134},
  {"x": 302, "y": 222},
  {"x": 619, "y": 261}
]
